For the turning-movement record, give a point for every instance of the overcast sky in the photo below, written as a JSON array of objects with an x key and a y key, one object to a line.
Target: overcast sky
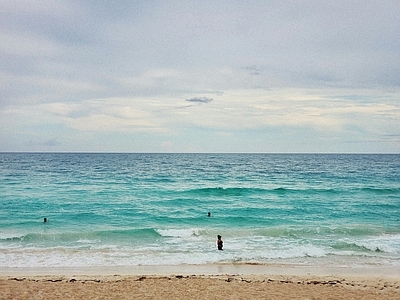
[{"x": 200, "y": 76}]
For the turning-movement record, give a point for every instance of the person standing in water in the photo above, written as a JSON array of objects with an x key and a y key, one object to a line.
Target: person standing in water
[{"x": 220, "y": 243}]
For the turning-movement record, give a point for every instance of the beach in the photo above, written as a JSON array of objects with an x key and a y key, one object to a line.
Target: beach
[
  {"x": 198, "y": 282},
  {"x": 196, "y": 287},
  {"x": 136, "y": 226}
]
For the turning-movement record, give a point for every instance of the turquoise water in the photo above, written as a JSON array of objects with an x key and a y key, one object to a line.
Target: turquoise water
[{"x": 151, "y": 209}]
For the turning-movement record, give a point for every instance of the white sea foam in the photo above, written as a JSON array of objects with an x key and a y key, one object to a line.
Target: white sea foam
[
  {"x": 178, "y": 232},
  {"x": 384, "y": 243}
]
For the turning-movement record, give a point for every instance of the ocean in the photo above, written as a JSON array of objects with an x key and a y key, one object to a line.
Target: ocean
[{"x": 130, "y": 210}]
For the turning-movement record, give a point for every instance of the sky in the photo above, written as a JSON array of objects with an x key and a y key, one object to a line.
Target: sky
[{"x": 269, "y": 76}]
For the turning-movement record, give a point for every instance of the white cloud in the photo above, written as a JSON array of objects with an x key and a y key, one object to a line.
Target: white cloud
[{"x": 106, "y": 115}]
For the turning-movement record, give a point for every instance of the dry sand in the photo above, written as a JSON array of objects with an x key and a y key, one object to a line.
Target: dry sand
[{"x": 206, "y": 286}]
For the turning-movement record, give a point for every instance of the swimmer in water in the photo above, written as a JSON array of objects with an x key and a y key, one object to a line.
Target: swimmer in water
[{"x": 220, "y": 243}]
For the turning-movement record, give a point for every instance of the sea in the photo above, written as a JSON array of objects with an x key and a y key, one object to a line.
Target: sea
[{"x": 142, "y": 209}]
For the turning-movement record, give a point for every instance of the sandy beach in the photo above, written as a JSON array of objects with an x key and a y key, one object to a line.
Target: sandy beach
[{"x": 292, "y": 283}]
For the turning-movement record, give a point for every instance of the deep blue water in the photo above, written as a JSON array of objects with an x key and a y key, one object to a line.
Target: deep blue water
[{"x": 151, "y": 209}]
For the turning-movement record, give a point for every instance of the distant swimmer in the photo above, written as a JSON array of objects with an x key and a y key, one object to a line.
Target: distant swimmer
[
  {"x": 209, "y": 214},
  {"x": 44, "y": 220},
  {"x": 220, "y": 243}
]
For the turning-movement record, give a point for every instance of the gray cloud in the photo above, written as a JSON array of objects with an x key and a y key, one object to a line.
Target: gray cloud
[{"x": 199, "y": 100}]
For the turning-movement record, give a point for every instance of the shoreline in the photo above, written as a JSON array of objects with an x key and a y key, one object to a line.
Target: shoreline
[{"x": 208, "y": 269}]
